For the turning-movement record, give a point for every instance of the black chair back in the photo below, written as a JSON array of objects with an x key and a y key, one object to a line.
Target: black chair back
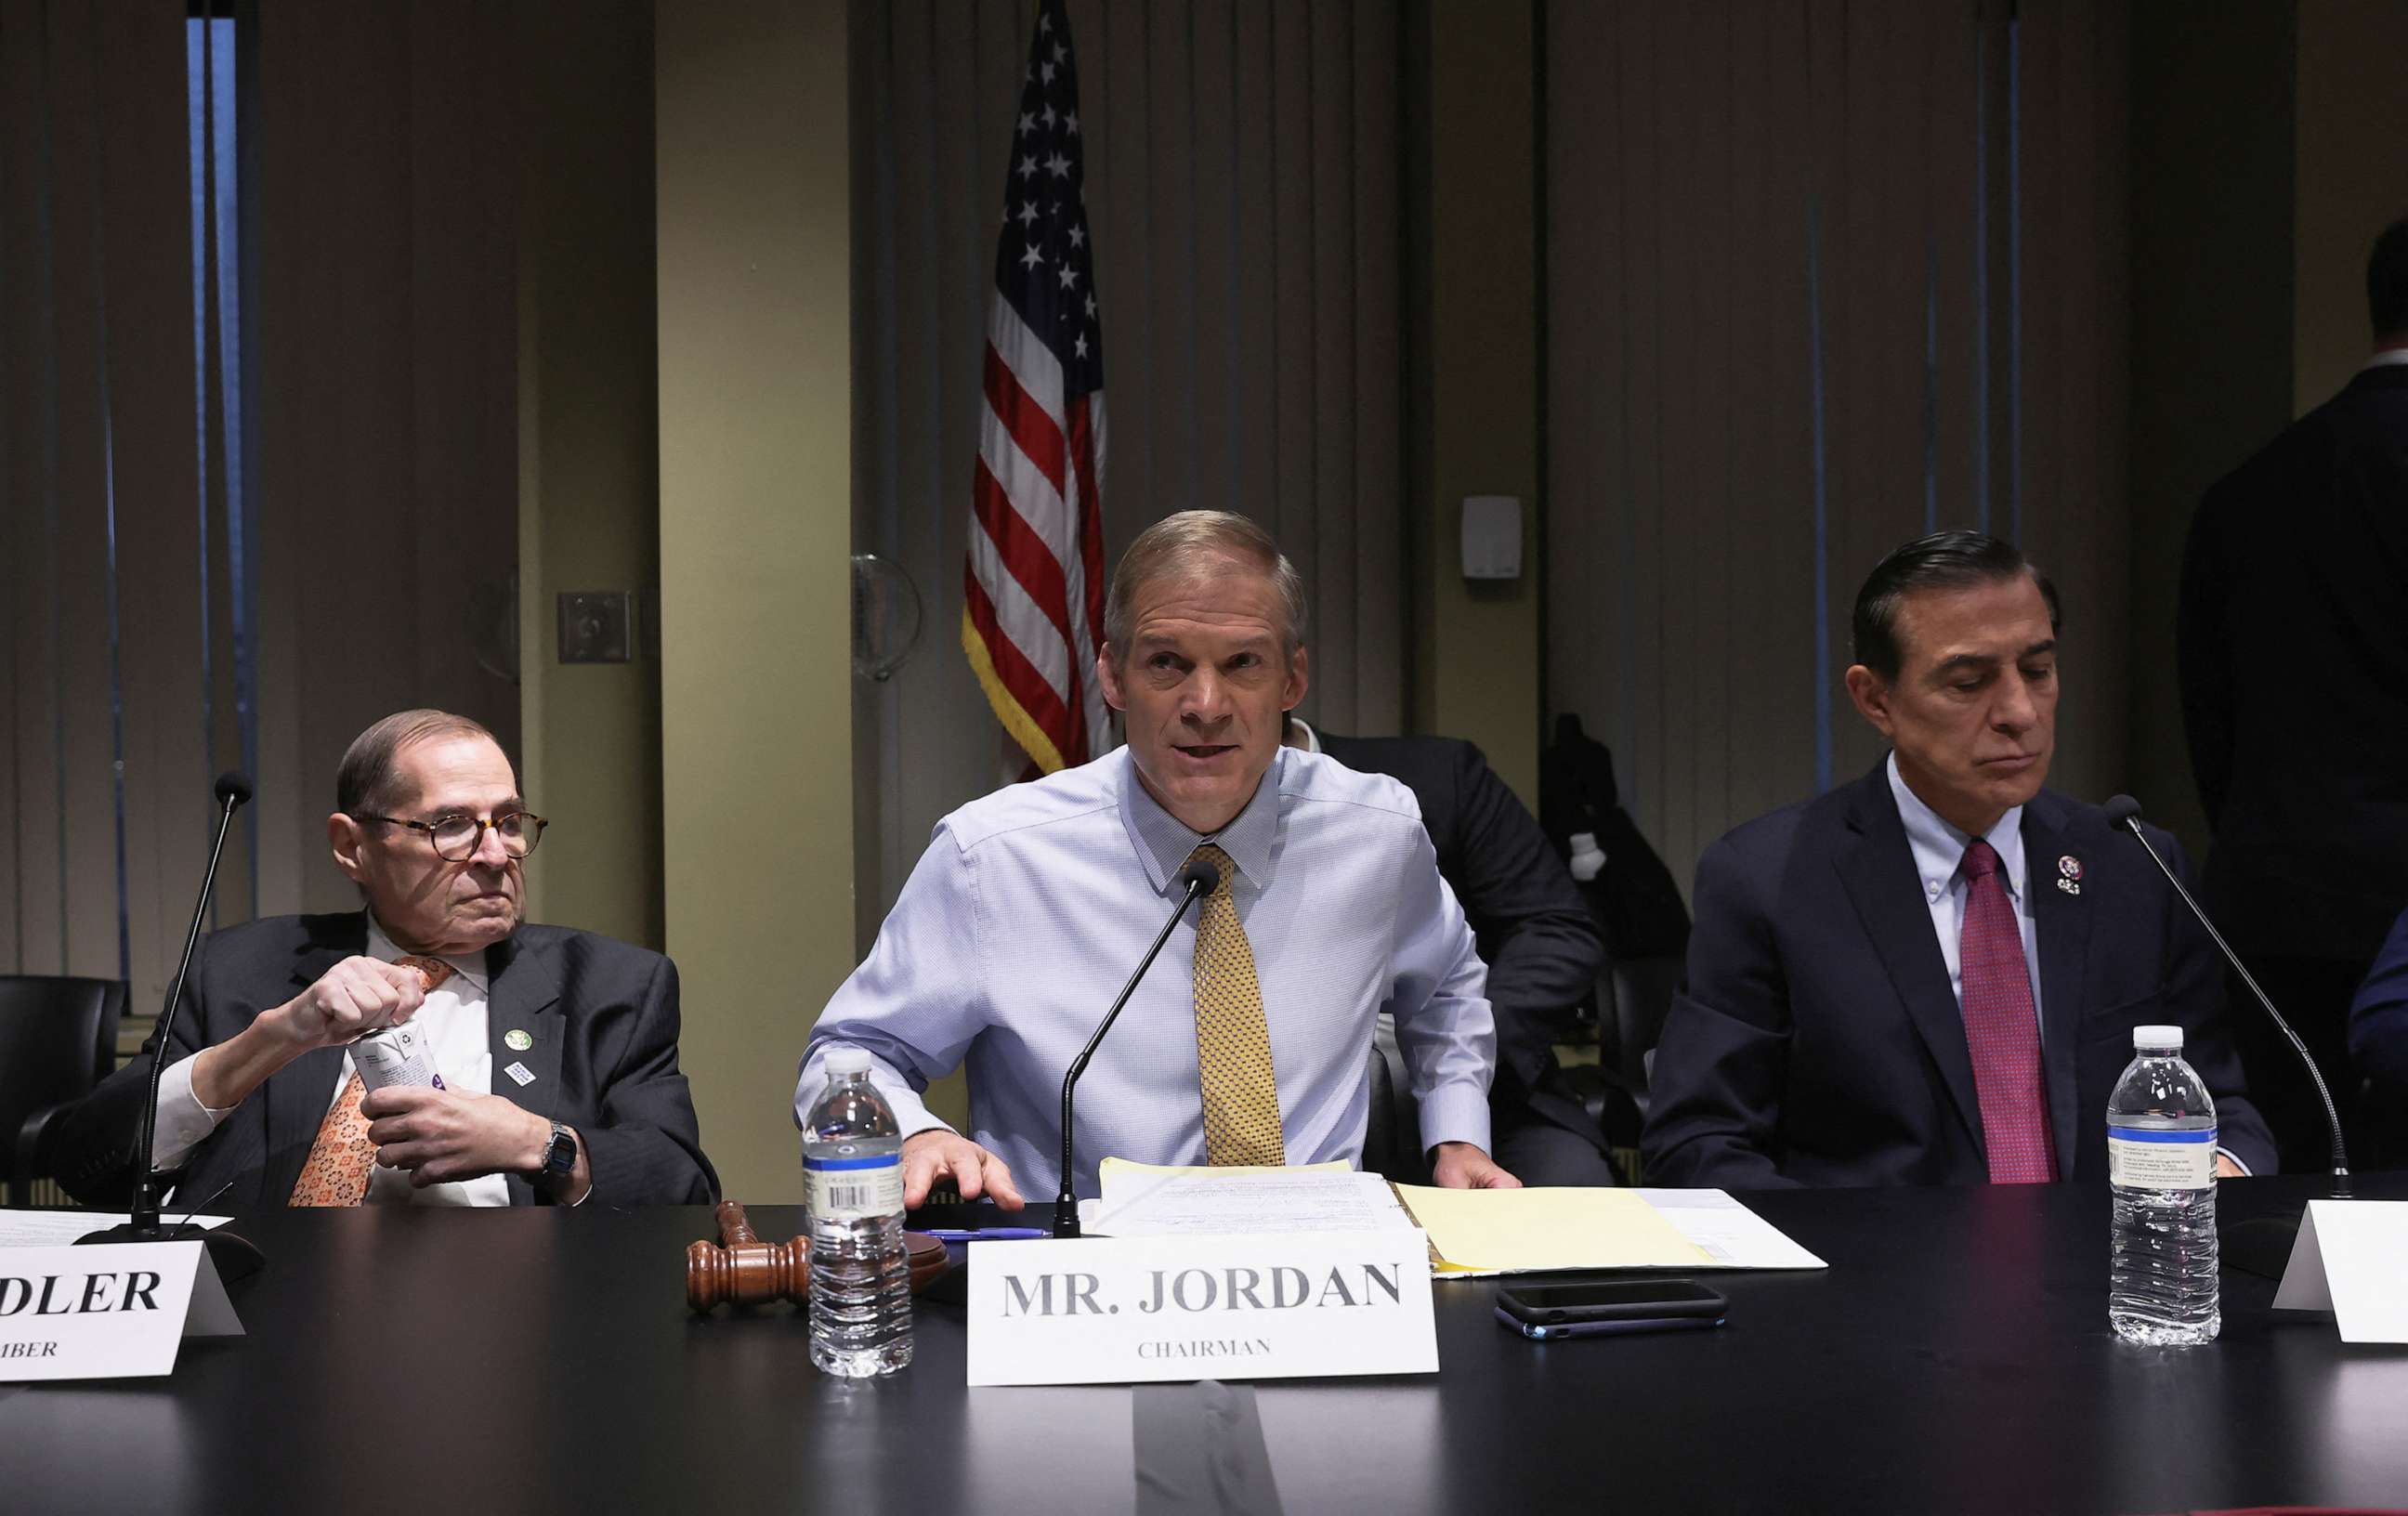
[{"x": 58, "y": 1038}]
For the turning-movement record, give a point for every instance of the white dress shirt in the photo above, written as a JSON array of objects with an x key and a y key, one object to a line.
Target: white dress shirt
[
  {"x": 1031, "y": 907},
  {"x": 453, "y": 1020}
]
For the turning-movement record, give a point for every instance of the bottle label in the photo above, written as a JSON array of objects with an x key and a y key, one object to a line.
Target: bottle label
[
  {"x": 2140, "y": 1158},
  {"x": 853, "y": 1189}
]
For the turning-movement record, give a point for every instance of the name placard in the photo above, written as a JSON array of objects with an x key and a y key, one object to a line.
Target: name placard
[
  {"x": 1121, "y": 1311},
  {"x": 2351, "y": 1258},
  {"x": 105, "y": 1313}
]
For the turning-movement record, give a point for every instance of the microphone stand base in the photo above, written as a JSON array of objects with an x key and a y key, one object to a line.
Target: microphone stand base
[{"x": 234, "y": 1257}]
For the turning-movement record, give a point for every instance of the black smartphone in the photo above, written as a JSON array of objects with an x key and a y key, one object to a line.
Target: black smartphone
[{"x": 1629, "y": 1305}]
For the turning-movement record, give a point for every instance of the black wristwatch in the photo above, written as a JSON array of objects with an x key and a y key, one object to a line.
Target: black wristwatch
[{"x": 559, "y": 1158}]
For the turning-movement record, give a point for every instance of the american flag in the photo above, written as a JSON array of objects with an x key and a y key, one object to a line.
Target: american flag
[{"x": 1032, "y": 604}]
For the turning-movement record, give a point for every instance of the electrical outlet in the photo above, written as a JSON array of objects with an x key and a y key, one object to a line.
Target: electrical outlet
[{"x": 595, "y": 627}]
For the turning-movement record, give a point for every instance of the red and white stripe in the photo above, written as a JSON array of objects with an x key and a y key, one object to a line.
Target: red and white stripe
[{"x": 1033, "y": 604}]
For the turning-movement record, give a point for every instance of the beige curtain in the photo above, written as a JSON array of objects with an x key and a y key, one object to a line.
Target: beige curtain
[
  {"x": 107, "y": 753},
  {"x": 167, "y": 612},
  {"x": 1821, "y": 276},
  {"x": 1243, "y": 184},
  {"x": 387, "y": 141}
]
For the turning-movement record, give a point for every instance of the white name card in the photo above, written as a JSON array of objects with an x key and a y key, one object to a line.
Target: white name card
[
  {"x": 107, "y": 1313},
  {"x": 1120, "y": 1311},
  {"x": 2352, "y": 1259}
]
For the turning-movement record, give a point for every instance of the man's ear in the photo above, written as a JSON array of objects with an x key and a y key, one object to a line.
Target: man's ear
[
  {"x": 1871, "y": 694},
  {"x": 1107, "y": 675},
  {"x": 1292, "y": 695},
  {"x": 347, "y": 837}
]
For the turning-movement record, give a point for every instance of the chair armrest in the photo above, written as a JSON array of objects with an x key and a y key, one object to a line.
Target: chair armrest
[{"x": 29, "y": 1158}]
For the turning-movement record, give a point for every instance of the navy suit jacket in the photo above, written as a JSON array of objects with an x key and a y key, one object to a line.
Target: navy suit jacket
[
  {"x": 603, "y": 1016},
  {"x": 1816, "y": 1040}
]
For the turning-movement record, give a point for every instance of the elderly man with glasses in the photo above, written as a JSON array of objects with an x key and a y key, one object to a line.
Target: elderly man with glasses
[{"x": 554, "y": 1051}]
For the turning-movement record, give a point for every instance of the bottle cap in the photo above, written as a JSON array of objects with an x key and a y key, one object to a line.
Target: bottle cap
[
  {"x": 2144, "y": 1037},
  {"x": 843, "y": 1060}
]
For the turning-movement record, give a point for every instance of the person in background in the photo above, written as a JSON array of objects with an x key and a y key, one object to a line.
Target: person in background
[
  {"x": 2294, "y": 658},
  {"x": 1533, "y": 930}
]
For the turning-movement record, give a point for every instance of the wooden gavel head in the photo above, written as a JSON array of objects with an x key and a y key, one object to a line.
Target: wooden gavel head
[{"x": 740, "y": 1269}]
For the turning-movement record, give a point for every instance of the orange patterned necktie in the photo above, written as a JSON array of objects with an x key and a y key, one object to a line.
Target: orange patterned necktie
[
  {"x": 340, "y": 1161},
  {"x": 1233, "y": 1042}
]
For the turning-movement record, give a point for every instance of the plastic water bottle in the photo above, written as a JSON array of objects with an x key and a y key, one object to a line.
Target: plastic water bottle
[
  {"x": 2161, "y": 1286},
  {"x": 852, "y": 1192}
]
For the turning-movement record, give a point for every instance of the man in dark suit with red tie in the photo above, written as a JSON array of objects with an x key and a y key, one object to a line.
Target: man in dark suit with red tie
[
  {"x": 557, "y": 1049},
  {"x": 1931, "y": 975}
]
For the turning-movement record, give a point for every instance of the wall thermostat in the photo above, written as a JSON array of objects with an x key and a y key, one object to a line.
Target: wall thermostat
[{"x": 1492, "y": 537}]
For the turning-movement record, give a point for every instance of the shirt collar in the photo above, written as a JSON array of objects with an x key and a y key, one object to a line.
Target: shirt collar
[
  {"x": 1940, "y": 846},
  {"x": 470, "y": 967},
  {"x": 1163, "y": 842},
  {"x": 1312, "y": 737},
  {"x": 2385, "y": 358}
]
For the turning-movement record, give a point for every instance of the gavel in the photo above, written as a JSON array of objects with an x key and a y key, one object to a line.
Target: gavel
[{"x": 741, "y": 1269}]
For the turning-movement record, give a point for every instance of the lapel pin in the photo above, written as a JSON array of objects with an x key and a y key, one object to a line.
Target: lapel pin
[
  {"x": 2068, "y": 874},
  {"x": 519, "y": 1072},
  {"x": 518, "y": 1041}
]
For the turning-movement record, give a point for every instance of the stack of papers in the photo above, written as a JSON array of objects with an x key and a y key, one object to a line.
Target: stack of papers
[
  {"x": 57, "y": 1228},
  {"x": 1472, "y": 1233}
]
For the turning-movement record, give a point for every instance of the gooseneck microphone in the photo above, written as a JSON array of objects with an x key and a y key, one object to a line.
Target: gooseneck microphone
[
  {"x": 234, "y": 1256},
  {"x": 2124, "y": 813},
  {"x": 1201, "y": 879}
]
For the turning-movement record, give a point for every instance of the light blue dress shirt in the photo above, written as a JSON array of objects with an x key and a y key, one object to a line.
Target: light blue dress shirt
[
  {"x": 1031, "y": 907},
  {"x": 1940, "y": 864}
]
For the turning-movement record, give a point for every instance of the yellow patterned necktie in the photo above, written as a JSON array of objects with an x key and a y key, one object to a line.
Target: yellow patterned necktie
[
  {"x": 1233, "y": 1045},
  {"x": 336, "y": 1171}
]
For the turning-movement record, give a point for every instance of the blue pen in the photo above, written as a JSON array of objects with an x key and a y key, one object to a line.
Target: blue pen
[{"x": 992, "y": 1233}]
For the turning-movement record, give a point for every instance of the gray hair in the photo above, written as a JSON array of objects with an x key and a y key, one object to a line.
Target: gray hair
[
  {"x": 365, "y": 783},
  {"x": 1195, "y": 544}
]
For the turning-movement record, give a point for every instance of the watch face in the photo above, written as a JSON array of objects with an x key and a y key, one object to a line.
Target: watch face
[{"x": 561, "y": 1156}]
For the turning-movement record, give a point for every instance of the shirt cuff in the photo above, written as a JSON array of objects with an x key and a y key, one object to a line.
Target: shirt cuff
[
  {"x": 184, "y": 1122},
  {"x": 911, "y": 1114},
  {"x": 2236, "y": 1161},
  {"x": 1456, "y": 1113}
]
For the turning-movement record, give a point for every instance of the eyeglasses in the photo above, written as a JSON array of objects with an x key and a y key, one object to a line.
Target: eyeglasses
[{"x": 456, "y": 838}]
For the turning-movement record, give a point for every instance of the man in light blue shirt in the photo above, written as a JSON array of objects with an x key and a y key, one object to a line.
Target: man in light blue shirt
[{"x": 1031, "y": 905}]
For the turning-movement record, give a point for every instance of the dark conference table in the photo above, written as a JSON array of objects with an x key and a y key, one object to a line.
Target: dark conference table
[{"x": 1955, "y": 1357}]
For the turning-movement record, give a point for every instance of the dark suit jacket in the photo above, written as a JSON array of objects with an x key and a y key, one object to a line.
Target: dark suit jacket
[
  {"x": 2294, "y": 641},
  {"x": 604, "y": 1020},
  {"x": 1532, "y": 928},
  {"x": 2378, "y": 1020},
  {"x": 1816, "y": 1040}
]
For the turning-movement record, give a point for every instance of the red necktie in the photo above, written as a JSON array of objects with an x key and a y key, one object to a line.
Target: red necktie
[{"x": 2002, "y": 1027}]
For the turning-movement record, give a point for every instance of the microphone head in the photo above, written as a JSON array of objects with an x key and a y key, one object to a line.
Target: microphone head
[
  {"x": 233, "y": 789},
  {"x": 2122, "y": 811},
  {"x": 1201, "y": 873}
]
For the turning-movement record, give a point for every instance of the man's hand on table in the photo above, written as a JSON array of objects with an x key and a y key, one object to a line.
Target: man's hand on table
[
  {"x": 938, "y": 1154},
  {"x": 1459, "y": 1165}
]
